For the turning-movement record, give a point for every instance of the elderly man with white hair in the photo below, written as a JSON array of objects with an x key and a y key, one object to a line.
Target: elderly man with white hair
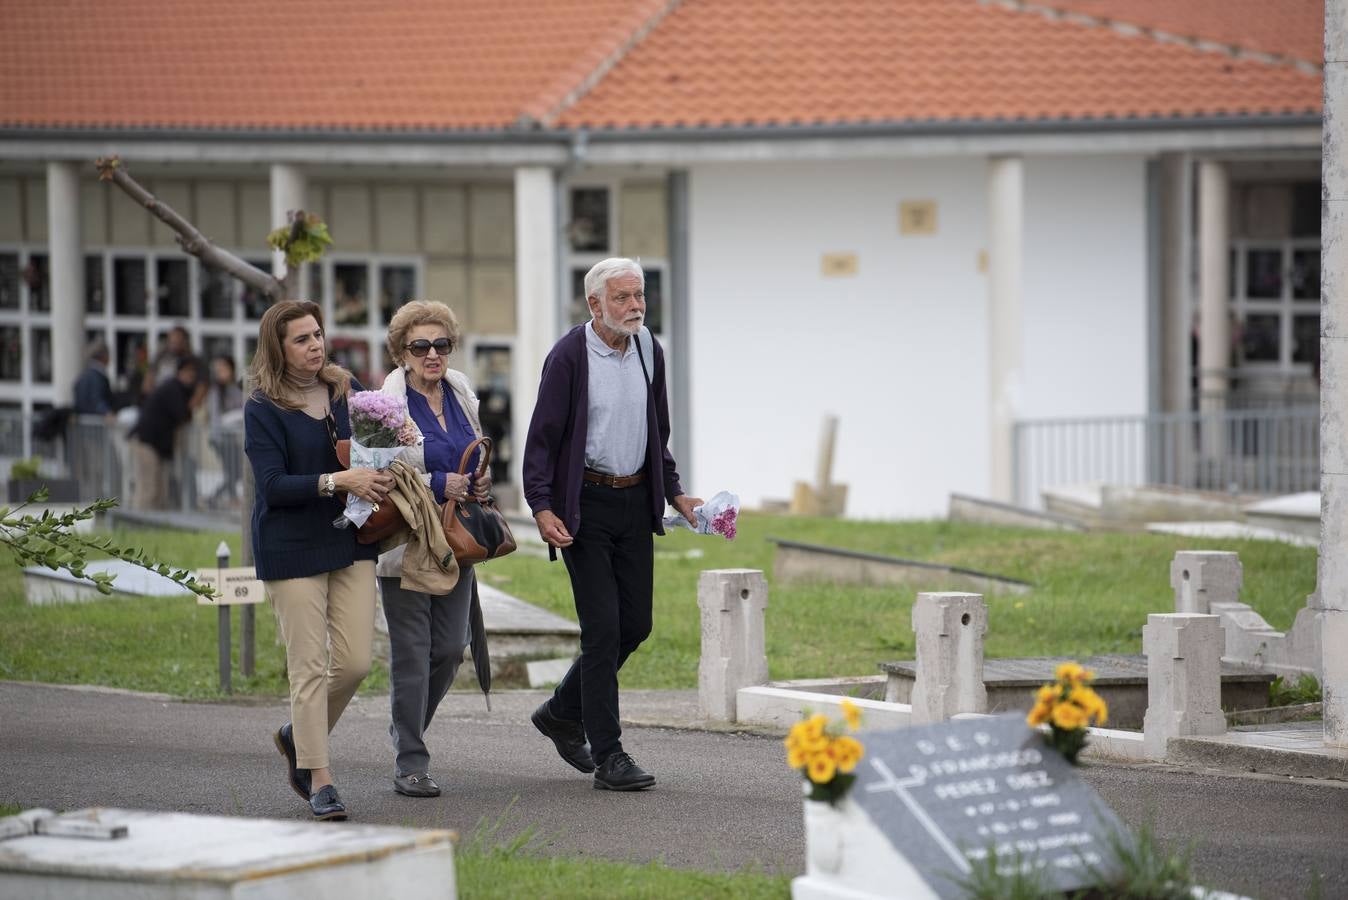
[{"x": 597, "y": 475}]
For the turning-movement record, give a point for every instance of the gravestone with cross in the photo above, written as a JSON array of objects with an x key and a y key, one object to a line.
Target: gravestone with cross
[{"x": 970, "y": 793}]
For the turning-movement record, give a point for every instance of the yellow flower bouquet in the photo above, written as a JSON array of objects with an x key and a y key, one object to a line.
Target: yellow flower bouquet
[
  {"x": 825, "y": 754},
  {"x": 1068, "y": 706}
]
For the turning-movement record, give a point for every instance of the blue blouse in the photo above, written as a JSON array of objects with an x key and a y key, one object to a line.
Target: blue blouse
[{"x": 444, "y": 447}]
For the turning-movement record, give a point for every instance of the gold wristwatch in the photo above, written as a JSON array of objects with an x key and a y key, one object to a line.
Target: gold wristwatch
[{"x": 329, "y": 487}]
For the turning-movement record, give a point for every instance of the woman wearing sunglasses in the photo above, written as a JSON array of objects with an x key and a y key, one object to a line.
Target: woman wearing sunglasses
[
  {"x": 427, "y": 633},
  {"x": 319, "y": 579}
]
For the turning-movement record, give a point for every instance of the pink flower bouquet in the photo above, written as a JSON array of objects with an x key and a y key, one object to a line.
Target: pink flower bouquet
[
  {"x": 718, "y": 515},
  {"x": 379, "y": 432}
]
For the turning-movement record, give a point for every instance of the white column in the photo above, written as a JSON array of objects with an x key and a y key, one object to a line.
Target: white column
[
  {"x": 536, "y": 240},
  {"x": 288, "y": 192},
  {"x": 1177, "y": 300},
  {"x": 67, "y": 278},
  {"x": 1332, "y": 593},
  {"x": 1006, "y": 215},
  {"x": 1214, "y": 287}
]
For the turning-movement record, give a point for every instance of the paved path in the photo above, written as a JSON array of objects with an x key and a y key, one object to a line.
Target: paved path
[{"x": 724, "y": 800}]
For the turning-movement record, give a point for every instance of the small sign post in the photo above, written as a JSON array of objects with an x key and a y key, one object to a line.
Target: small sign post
[{"x": 237, "y": 586}]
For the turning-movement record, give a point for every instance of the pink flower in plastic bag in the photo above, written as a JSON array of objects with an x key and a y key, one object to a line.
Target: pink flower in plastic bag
[{"x": 724, "y": 523}]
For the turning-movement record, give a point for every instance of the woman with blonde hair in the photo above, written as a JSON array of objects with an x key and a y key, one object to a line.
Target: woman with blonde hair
[
  {"x": 427, "y": 633},
  {"x": 319, "y": 579}
]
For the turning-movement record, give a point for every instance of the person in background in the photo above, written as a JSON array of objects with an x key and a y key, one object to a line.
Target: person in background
[
  {"x": 427, "y": 633},
  {"x": 224, "y": 413},
  {"x": 167, "y": 408},
  {"x": 319, "y": 579},
  {"x": 177, "y": 347},
  {"x": 597, "y": 475},
  {"x": 91, "y": 436},
  {"x": 93, "y": 389}
]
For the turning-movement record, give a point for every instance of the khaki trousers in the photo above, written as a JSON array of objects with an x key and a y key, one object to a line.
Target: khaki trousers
[
  {"x": 327, "y": 622},
  {"x": 152, "y": 473}
]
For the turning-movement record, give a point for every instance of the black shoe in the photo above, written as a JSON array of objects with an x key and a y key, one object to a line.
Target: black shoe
[
  {"x": 300, "y": 781},
  {"x": 620, "y": 772},
  {"x": 416, "y": 785},
  {"x": 568, "y": 737},
  {"x": 326, "y": 805}
]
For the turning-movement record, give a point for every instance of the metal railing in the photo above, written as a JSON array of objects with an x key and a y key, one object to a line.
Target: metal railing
[
  {"x": 91, "y": 457},
  {"x": 1256, "y": 451}
]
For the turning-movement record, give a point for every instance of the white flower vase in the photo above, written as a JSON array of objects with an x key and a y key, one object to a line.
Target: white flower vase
[
  {"x": 847, "y": 858},
  {"x": 824, "y": 826}
]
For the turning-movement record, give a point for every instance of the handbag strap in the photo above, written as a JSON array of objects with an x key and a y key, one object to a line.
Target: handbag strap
[{"x": 486, "y": 444}]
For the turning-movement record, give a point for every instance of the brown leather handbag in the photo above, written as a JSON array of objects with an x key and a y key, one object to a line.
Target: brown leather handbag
[
  {"x": 384, "y": 521},
  {"x": 476, "y": 530}
]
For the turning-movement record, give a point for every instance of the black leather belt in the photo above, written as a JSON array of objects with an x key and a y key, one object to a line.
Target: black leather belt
[{"x": 614, "y": 481}]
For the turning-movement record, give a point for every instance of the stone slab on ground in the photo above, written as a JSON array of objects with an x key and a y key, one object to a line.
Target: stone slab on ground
[
  {"x": 981, "y": 511},
  {"x": 174, "y": 520},
  {"x": 1299, "y": 513},
  {"x": 1241, "y": 531},
  {"x": 796, "y": 561},
  {"x": 1295, "y": 749},
  {"x": 178, "y": 856},
  {"x": 42, "y": 586},
  {"x": 1121, "y": 680}
]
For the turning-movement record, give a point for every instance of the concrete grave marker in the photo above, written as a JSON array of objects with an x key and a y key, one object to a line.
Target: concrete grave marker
[{"x": 947, "y": 795}]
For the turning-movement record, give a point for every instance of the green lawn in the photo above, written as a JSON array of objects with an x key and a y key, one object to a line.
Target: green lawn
[{"x": 1092, "y": 595}]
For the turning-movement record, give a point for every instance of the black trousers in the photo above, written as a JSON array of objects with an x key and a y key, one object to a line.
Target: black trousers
[{"x": 611, "y": 580}]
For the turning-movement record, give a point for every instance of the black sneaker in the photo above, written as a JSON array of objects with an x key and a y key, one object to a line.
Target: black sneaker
[
  {"x": 620, "y": 772},
  {"x": 326, "y": 805},
  {"x": 567, "y": 737},
  {"x": 284, "y": 739}
]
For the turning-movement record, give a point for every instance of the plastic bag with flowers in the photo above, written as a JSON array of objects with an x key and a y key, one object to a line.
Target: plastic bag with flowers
[
  {"x": 717, "y": 516},
  {"x": 1068, "y": 706},
  {"x": 825, "y": 754},
  {"x": 380, "y": 430}
]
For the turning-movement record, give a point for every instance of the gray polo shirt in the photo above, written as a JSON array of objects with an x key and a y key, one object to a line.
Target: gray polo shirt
[{"x": 615, "y": 441}]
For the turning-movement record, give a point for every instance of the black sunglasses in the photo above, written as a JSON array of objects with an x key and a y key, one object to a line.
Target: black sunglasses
[{"x": 443, "y": 346}]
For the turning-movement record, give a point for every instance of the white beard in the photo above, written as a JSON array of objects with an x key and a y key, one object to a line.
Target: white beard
[{"x": 618, "y": 326}]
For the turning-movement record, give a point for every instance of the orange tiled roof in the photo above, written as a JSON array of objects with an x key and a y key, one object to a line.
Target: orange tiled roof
[
  {"x": 323, "y": 64},
  {"x": 782, "y": 62},
  {"x": 1290, "y": 28},
  {"x": 461, "y": 65}
]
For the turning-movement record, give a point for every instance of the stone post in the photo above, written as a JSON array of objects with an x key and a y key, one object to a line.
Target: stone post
[
  {"x": 1214, "y": 290},
  {"x": 1331, "y": 596},
  {"x": 1184, "y": 678},
  {"x": 1203, "y": 577},
  {"x": 950, "y": 627},
  {"x": 734, "y": 653}
]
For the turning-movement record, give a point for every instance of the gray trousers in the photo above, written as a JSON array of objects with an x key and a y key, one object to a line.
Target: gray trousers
[{"x": 427, "y": 634}]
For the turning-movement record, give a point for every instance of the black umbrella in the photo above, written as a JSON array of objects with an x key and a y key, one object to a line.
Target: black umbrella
[{"x": 477, "y": 643}]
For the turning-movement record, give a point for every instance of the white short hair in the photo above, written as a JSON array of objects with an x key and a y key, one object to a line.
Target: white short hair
[{"x": 604, "y": 271}]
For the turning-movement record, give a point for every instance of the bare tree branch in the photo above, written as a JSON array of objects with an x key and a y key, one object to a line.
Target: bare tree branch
[{"x": 192, "y": 240}]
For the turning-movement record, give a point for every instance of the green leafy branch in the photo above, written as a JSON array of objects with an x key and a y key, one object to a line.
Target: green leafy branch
[
  {"x": 50, "y": 540},
  {"x": 304, "y": 240}
]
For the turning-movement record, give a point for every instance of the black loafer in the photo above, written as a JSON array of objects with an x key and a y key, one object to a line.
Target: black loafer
[
  {"x": 300, "y": 781},
  {"x": 416, "y": 785},
  {"x": 620, "y": 772},
  {"x": 326, "y": 805},
  {"x": 567, "y": 737}
]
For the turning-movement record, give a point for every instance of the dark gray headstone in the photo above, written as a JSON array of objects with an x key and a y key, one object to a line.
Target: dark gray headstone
[{"x": 948, "y": 795}]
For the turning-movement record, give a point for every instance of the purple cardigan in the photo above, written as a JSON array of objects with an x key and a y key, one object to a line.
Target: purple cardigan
[{"x": 554, "y": 454}]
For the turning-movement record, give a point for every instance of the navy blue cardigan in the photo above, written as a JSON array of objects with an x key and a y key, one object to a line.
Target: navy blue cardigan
[
  {"x": 293, "y": 535},
  {"x": 554, "y": 453}
]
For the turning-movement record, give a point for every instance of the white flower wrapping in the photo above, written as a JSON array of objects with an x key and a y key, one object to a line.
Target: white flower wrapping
[
  {"x": 716, "y": 516},
  {"x": 362, "y": 457}
]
